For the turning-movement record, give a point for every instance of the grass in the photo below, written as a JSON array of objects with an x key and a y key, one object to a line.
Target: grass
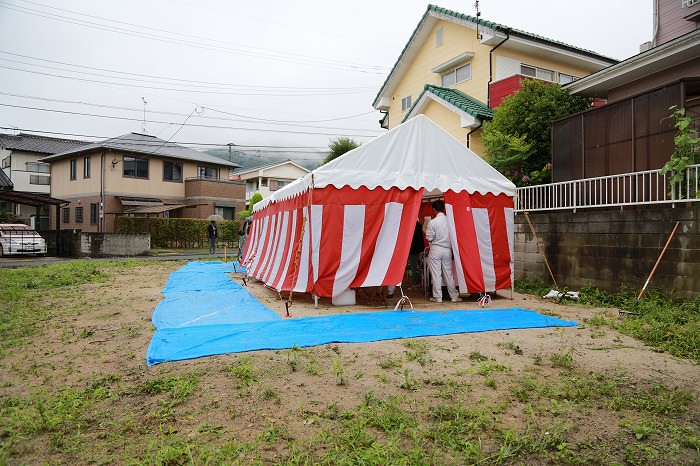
[
  {"x": 671, "y": 325},
  {"x": 414, "y": 402}
]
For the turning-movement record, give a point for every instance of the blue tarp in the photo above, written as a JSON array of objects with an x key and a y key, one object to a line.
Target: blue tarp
[{"x": 218, "y": 316}]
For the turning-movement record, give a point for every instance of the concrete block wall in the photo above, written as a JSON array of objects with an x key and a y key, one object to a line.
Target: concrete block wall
[
  {"x": 613, "y": 249},
  {"x": 113, "y": 244}
]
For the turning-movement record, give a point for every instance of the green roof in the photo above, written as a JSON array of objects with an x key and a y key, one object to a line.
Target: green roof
[
  {"x": 459, "y": 99},
  {"x": 517, "y": 32},
  {"x": 433, "y": 10}
]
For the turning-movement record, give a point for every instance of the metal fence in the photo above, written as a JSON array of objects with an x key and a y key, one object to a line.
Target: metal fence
[{"x": 627, "y": 189}]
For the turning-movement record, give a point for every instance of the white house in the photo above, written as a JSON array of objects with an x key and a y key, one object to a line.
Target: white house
[{"x": 266, "y": 179}]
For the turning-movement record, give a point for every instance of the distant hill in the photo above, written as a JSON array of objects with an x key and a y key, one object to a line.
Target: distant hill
[{"x": 257, "y": 158}]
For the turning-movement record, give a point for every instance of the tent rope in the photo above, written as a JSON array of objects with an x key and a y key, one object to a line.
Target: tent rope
[{"x": 403, "y": 300}]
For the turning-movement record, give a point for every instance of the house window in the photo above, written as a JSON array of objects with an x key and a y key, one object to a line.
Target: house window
[
  {"x": 263, "y": 182},
  {"x": 73, "y": 169},
  {"x": 535, "y": 72},
  {"x": 38, "y": 179},
  {"x": 86, "y": 167},
  {"x": 136, "y": 167},
  {"x": 172, "y": 171},
  {"x": 228, "y": 213},
  {"x": 37, "y": 167},
  {"x": 405, "y": 103},
  {"x": 208, "y": 172},
  {"x": 438, "y": 37},
  {"x": 93, "y": 213},
  {"x": 78, "y": 215},
  {"x": 566, "y": 78},
  {"x": 6, "y": 162},
  {"x": 66, "y": 214},
  {"x": 457, "y": 75},
  {"x": 688, "y": 3}
]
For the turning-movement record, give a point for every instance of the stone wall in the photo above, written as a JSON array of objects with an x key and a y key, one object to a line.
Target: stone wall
[{"x": 613, "y": 249}]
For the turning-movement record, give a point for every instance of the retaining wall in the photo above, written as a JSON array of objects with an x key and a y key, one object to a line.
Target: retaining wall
[{"x": 613, "y": 249}]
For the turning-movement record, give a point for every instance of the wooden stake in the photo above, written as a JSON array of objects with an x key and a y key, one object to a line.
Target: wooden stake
[
  {"x": 668, "y": 241},
  {"x": 541, "y": 251}
]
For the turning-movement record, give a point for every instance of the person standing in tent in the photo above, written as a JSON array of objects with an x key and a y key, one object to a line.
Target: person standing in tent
[
  {"x": 417, "y": 246},
  {"x": 212, "y": 233},
  {"x": 440, "y": 255}
]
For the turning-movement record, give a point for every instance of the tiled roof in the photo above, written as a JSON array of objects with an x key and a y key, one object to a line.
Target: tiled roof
[
  {"x": 514, "y": 32},
  {"x": 459, "y": 99},
  {"x": 40, "y": 144},
  {"x": 144, "y": 144},
  {"x": 435, "y": 11},
  {"x": 266, "y": 166},
  {"x": 5, "y": 181}
]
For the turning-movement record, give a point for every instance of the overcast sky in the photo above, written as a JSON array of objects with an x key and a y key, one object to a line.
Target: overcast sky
[{"x": 261, "y": 73}]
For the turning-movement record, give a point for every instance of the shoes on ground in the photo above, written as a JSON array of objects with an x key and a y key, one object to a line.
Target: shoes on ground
[
  {"x": 456, "y": 300},
  {"x": 436, "y": 300}
]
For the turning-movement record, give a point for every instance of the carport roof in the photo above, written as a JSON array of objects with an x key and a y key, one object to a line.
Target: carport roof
[{"x": 31, "y": 199}]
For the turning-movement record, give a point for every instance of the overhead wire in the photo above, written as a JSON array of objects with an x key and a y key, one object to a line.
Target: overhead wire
[
  {"x": 247, "y": 149},
  {"x": 193, "y": 91},
  {"x": 245, "y": 120},
  {"x": 255, "y": 52},
  {"x": 187, "y": 81},
  {"x": 190, "y": 125}
]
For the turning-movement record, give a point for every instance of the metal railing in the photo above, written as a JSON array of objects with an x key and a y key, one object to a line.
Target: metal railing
[{"x": 638, "y": 188}]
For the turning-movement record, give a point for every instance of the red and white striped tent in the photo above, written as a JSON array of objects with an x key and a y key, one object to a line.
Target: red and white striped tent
[{"x": 349, "y": 223}]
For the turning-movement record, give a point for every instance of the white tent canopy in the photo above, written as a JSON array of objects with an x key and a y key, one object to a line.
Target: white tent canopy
[
  {"x": 416, "y": 154},
  {"x": 349, "y": 223}
]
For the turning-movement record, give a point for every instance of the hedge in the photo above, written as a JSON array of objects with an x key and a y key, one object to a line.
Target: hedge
[{"x": 179, "y": 232}]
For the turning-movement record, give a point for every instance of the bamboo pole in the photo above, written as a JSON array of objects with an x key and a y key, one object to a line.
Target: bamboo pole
[
  {"x": 541, "y": 250},
  {"x": 663, "y": 251}
]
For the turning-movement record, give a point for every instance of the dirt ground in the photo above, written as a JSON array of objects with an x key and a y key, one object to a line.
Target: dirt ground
[{"x": 106, "y": 330}]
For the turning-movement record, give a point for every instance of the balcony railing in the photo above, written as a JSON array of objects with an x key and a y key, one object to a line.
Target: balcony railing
[{"x": 639, "y": 188}]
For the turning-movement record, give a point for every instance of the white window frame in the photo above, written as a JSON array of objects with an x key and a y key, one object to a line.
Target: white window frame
[
  {"x": 571, "y": 77},
  {"x": 454, "y": 72},
  {"x": 538, "y": 72},
  {"x": 438, "y": 37},
  {"x": 405, "y": 103},
  {"x": 688, "y": 3}
]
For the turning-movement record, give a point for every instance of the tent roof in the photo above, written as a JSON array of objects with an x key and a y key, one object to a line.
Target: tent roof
[{"x": 416, "y": 154}]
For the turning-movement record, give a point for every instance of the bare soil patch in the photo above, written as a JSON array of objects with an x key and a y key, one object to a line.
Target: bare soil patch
[{"x": 100, "y": 332}]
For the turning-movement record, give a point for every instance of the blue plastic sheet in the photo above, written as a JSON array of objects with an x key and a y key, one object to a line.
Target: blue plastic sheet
[{"x": 227, "y": 319}]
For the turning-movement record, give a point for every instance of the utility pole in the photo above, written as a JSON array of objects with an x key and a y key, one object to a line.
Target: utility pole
[{"x": 143, "y": 126}]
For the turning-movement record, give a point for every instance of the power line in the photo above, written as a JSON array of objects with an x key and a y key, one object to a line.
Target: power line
[
  {"x": 187, "y": 81},
  {"x": 249, "y": 151},
  {"x": 245, "y": 120},
  {"x": 189, "y": 125},
  {"x": 255, "y": 52},
  {"x": 194, "y": 91}
]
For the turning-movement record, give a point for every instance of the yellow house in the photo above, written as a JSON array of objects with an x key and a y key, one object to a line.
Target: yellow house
[
  {"x": 456, "y": 68},
  {"x": 140, "y": 175}
]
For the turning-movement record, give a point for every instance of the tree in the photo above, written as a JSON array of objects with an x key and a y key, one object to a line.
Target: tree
[
  {"x": 339, "y": 146},
  {"x": 518, "y": 139},
  {"x": 254, "y": 199}
]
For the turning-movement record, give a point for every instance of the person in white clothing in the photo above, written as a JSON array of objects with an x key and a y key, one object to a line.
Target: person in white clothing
[{"x": 440, "y": 255}]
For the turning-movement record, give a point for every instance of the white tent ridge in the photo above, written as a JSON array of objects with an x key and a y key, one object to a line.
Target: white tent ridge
[{"x": 416, "y": 154}]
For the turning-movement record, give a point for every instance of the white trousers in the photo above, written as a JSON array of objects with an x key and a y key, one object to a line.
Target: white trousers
[{"x": 440, "y": 263}]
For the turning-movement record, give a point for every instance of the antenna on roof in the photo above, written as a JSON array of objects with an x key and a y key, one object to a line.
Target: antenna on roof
[
  {"x": 478, "y": 15},
  {"x": 143, "y": 126}
]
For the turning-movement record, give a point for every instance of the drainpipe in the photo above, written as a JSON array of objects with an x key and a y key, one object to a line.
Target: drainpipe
[
  {"x": 481, "y": 123},
  {"x": 488, "y": 88},
  {"x": 100, "y": 211}
]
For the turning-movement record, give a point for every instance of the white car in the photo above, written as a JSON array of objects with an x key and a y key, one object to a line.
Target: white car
[{"x": 18, "y": 238}]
